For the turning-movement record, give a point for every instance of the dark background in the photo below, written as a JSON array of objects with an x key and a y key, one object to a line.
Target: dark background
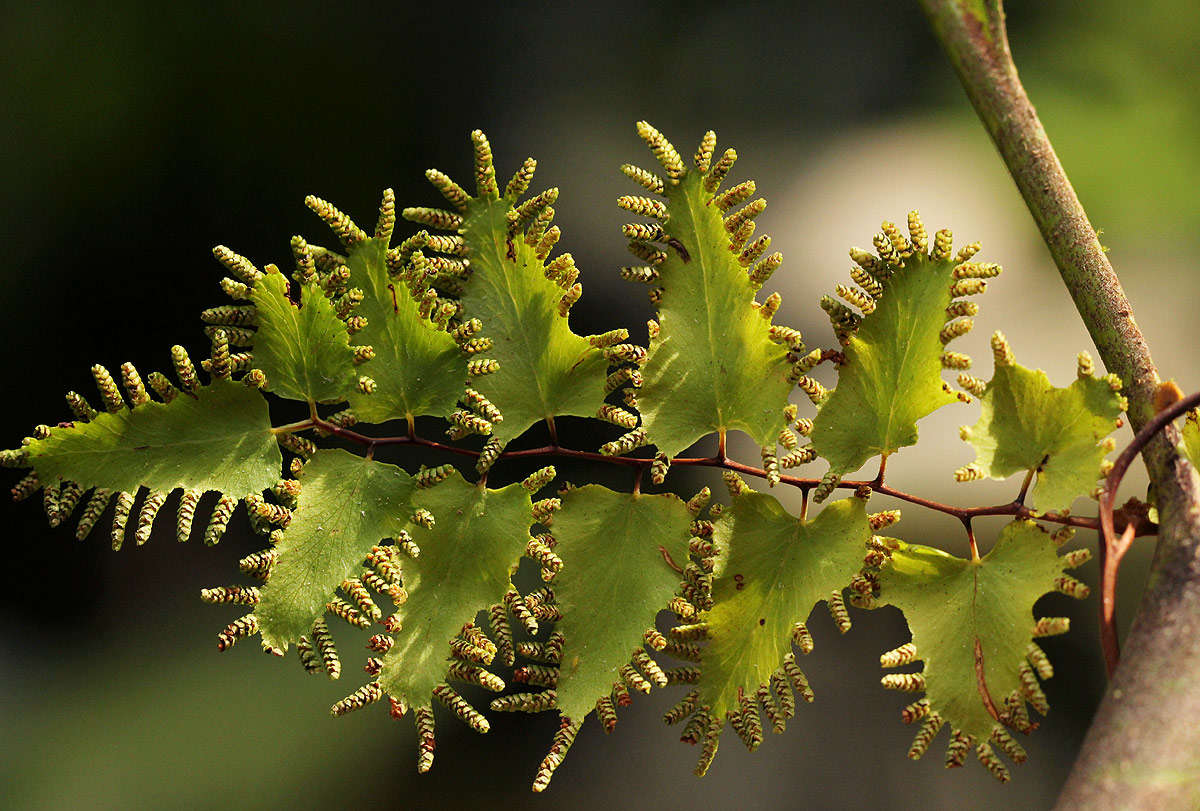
[{"x": 136, "y": 135}]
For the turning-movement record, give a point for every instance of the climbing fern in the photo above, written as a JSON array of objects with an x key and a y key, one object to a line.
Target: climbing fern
[{"x": 467, "y": 320}]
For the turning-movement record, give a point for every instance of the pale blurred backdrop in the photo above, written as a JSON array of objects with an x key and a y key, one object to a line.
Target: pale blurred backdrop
[{"x": 139, "y": 134}]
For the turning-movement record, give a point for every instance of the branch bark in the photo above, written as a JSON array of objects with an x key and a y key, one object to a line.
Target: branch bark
[{"x": 1141, "y": 750}]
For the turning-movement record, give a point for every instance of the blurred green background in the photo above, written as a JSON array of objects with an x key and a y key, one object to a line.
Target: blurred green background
[{"x": 137, "y": 135}]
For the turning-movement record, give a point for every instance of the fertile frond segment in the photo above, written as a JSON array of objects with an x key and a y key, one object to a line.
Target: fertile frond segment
[
  {"x": 759, "y": 573},
  {"x": 392, "y": 300},
  {"x": 347, "y": 506},
  {"x": 972, "y": 625},
  {"x": 715, "y": 362},
  {"x": 608, "y": 580},
  {"x": 466, "y": 555},
  {"x": 1189, "y": 443},
  {"x": 302, "y": 347},
  {"x": 1028, "y": 424},
  {"x": 895, "y": 345},
  {"x": 203, "y": 438},
  {"x": 527, "y": 364}
]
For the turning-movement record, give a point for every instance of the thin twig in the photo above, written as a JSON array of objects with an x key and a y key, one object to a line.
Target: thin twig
[{"x": 1114, "y": 548}]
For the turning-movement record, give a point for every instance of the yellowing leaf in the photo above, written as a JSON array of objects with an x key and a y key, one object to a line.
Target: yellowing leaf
[
  {"x": 972, "y": 624},
  {"x": 771, "y": 571},
  {"x": 347, "y": 505},
  {"x": 891, "y": 375},
  {"x": 303, "y": 350},
  {"x": 714, "y": 365},
  {"x": 1028, "y": 424}
]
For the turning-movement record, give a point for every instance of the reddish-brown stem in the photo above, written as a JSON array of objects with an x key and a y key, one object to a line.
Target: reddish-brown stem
[
  {"x": 964, "y": 514},
  {"x": 971, "y": 540},
  {"x": 1112, "y": 548}
]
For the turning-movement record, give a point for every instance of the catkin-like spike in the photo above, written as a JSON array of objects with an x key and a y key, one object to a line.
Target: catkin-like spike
[
  {"x": 648, "y": 180},
  {"x": 907, "y": 682},
  {"x": 762, "y": 271},
  {"x": 774, "y": 713},
  {"x": 915, "y": 711},
  {"x": 955, "y": 360},
  {"x": 470, "y": 674},
  {"x": 108, "y": 389},
  {"x": 900, "y": 245},
  {"x": 220, "y": 520},
  {"x": 720, "y": 169},
  {"x": 1031, "y": 689},
  {"x": 1041, "y": 663},
  {"x": 972, "y": 384},
  {"x": 929, "y": 730},
  {"x": 648, "y": 254},
  {"x": 519, "y": 184},
  {"x": 526, "y": 702},
  {"x": 708, "y": 750},
  {"x": 816, "y": 392},
  {"x": 569, "y": 298},
  {"x": 965, "y": 253},
  {"x": 683, "y": 675},
  {"x": 236, "y": 290},
  {"x": 488, "y": 455},
  {"x": 308, "y": 658},
  {"x": 133, "y": 385},
  {"x": 1014, "y": 751},
  {"x": 956, "y": 752},
  {"x": 325, "y": 648},
  {"x": 433, "y": 218},
  {"x": 968, "y": 473},
  {"x": 753, "y": 251},
  {"x": 121, "y": 513},
  {"x": 239, "y": 628},
  {"x": 903, "y": 655},
  {"x": 783, "y": 694},
  {"x": 943, "y": 244},
  {"x": 957, "y": 309},
  {"x": 235, "y": 595},
  {"x": 537, "y": 675},
  {"x": 485, "y": 171},
  {"x": 735, "y": 483},
  {"x": 704, "y": 151},
  {"x": 770, "y": 463},
  {"x": 956, "y": 329},
  {"x": 150, "y": 507},
  {"x": 558, "y": 750},
  {"x": 367, "y": 694},
  {"x": 1071, "y": 587},
  {"x": 1085, "y": 367},
  {"x": 428, "y": 477},
  {"x": 238, "y": 265},
  {"x": 606, "y": 714},
  {"x": 640, "y": 274},
  {"x": 626, "y": 443},
  {"x": 617, "y": 416},
  {"x": 644, "y": 207},
  {"x": 977, "y": 270},
  {"x": 663, "y": 150},
  {"x": 867, "y": 282},
  {"x": 502, "y": 633},
  {"x": 652, "y": 232},
  {"x": 425, "y": 745},
  {"x": 684, "y": 610},
  {"x": 517, "y": 607},
  {"x": 856, "y": 297},
  {"x": 801, "y": 638},
  {"x": 184, "y": 369},
  {"x": 1076, "y": 558},
  {"x": 477, "y": 367},
  {"x": 69, "y": 495},
  {"x": 735, "y": 196},
  {"x": 26, "y": 487},
  {"x": 538, "y": 479},
  {"x": 1051, "y": 626},
  {"x": 797, "y": 679},
  {"x": 683, "y": 709},
  {"x": 917, "y": 233},
  {"x": 734, "y": 222},
  {"x": 968, "y": 287},
  {"x": 453, "y": 193},
  {"x": 233, "y": 336},
  {"x": 649, "y": 668},
  {"x": 356, "y": 591},
  {"x": 186, "y": 514},
  {"x": 338, "y": 222}
]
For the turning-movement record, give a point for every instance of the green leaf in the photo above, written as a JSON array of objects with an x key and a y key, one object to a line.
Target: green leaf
[
  {"x": 1189, "y": 444},
  {"x": 217, "y": 438},
  {"x": 464, "y": 566},
  {"x": 303, "y": 350},
  {"x": 545, "y": 370},
  {"x": 714, "y": 364},
  {"x": 891, "y": 374},
  {"x": 418, "y": 369},
  {"x": 771, "y": 571},
  {"x": 613, "y": 583},
  {"x": 972, "y": 624},
  {"x": 1028, "y": 424},
  {"x": 347, "y": 504}
]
